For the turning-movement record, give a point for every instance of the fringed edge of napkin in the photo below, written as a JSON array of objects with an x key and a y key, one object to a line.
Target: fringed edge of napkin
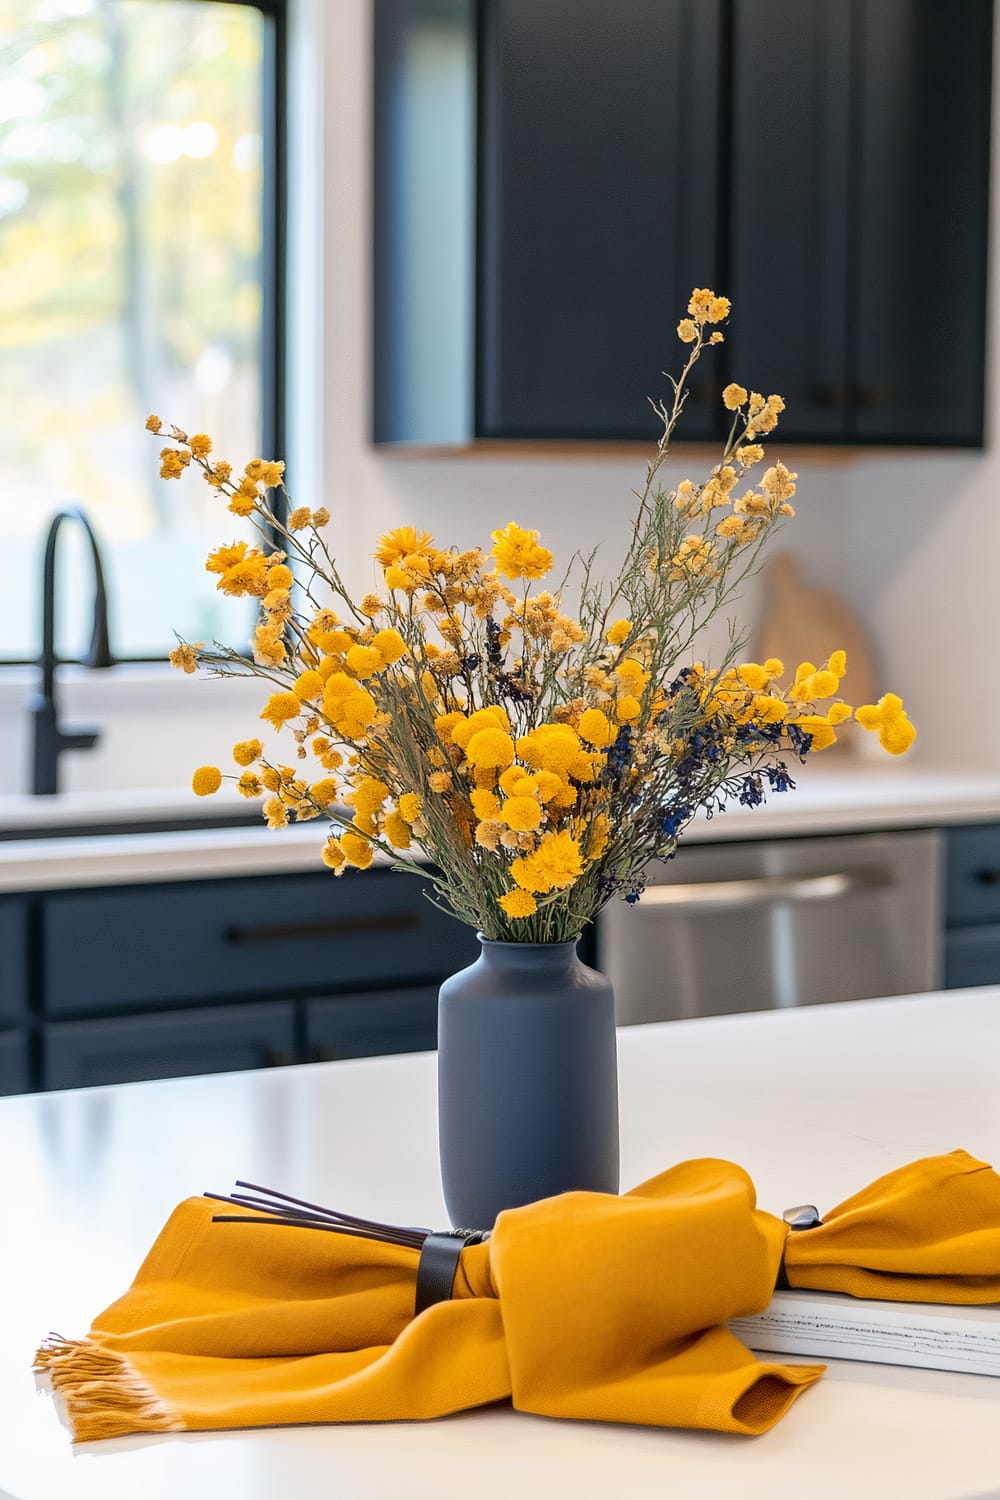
[{"x": 104, "y": 1394}]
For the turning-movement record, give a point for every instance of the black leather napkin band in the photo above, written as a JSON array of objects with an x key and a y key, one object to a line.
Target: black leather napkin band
[
  {"x": 438, "y": 1263},
  {"x": 802, "y": 1216}
]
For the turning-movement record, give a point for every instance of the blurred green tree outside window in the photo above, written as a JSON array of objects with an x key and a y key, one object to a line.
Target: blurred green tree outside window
[{"x": 132, "y": 202}]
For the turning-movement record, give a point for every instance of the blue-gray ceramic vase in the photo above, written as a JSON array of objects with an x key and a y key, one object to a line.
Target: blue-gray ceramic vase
[{"x": 527, "y": 1080}]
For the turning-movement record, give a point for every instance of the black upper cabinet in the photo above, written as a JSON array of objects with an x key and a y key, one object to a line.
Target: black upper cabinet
[
  {"x": 923, "y": 91},
  {"x": 598, "y": 143},
  {"x": 790, "y": 224},
  {"x": 859, "y": 161},
  {"x": 824, "y": 163}
]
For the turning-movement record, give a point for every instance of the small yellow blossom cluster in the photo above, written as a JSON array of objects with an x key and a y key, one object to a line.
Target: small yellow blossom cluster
[
  {"x": 751, "y": 694},
  {"x": 704, "y": 307}
]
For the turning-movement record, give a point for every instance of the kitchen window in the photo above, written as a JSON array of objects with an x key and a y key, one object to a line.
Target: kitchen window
[{"x": 141, "y": 191}]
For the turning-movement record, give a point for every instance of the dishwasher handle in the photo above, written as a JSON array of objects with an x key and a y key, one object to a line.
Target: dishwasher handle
[{"x": 731, "y": 895}]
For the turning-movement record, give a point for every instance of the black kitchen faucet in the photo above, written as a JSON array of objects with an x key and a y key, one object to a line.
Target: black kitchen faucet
[{"x": 49, "y": 738}]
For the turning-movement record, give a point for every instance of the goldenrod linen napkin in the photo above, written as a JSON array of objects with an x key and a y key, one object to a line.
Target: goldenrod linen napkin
[
  {"x": 585, "y": 1305},
  {"x": 929, "y": 1232}
]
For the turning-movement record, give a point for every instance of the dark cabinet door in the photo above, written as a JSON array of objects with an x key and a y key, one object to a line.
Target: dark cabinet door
[
  {"x": 175, "y": 1044},
  {"x": 859, "y": 162},
  {"x": 923, "y": 96},
  {"x": 371, "y": 1025},
  {"x": 598, "y": 160},
  {"x": 13, "y": 959},
  {"x": 13, "y": 1062},
  {"x": 790, "y": 223}
]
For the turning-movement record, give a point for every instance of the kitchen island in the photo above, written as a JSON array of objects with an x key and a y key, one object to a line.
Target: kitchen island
[{"x": 815, "y": 1103}]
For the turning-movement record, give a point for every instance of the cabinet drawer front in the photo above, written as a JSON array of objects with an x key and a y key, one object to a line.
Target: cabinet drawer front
[
  {"x": 177, "y": 1044},
  {"x": 13, "y": 959},
  {"x": 13, "y": 1062},
  {"x": 972, "y": 956},
  {"x": 372, "y": 1025},
  {"x": 115, "y": 950},
  {"x": 972, "y": 891}
]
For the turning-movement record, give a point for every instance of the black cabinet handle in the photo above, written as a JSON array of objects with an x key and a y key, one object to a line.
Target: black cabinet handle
[
  {"x": 278, "y": 1057},
  {"x": 324, "y": 1054},
  {"x": 829, "y": 393},
  {"x": 988, "y": 877},
  {"x": 872, "y": 397},
  {"x": 391, "y": 922}
]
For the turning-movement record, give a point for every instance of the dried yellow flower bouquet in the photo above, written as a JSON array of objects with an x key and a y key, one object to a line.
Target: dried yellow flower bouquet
[{"x": 539, "y": 761}]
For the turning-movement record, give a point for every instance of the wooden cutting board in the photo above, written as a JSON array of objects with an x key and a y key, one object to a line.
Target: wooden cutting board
[{"x": 800, "y": 623}]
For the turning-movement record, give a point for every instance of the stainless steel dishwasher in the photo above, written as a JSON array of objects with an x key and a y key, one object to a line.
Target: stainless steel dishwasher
[{"x": 760, "y": 925}]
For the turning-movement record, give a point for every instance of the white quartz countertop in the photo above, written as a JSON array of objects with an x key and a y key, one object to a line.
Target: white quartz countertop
[
  {"x": 834, "y": 798},
  {"x": 815, "y": 1103}
]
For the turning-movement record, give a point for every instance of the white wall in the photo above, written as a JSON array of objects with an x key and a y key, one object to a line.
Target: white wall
[{"x": 911, "y": 541}]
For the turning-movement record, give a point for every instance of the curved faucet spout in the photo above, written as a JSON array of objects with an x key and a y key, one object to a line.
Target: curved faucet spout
[{"x": 49, "y": 737}]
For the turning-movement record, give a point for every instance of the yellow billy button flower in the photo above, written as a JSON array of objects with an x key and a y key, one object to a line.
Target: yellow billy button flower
[
  {"x": 768, "y": 710},
  {"x": 519, "y": 904},
  {"x": 200, "y": 444},
  {"x": 247, "y": 751},
  {"x": 206, "y": 780},
  {"x": 687, "y": 332},
  {"x": 596, "y": 728},
  {"x": 631, "y": 675},
  {"x": 249, "y": 785},
  {"x": 755, "y": 676},
  {"x": 280, "y": 576},
  {"x": 518, "y": 554},
  {"x": 825, "y": 683},
  {"x": 490, "y": 747},
  {"x": 280, "y": 707},
  {"x": 364, "y": 661},
  {"x": 485, "y": 804},
  {"x": 153, "y": 423},
  {"x": 627, "y": 709},
  {"x": 389, "y": 644},
  {"x": 734, "y": 396},
  {"x": 837, "y": 713},
  {"x": 299, "y": 518},
  {"x": 308, "y": 685},
  {"x": 357, "y": 850},
  {"x": 550, "y": 747},
  {"x": 775, "y": 668},
  {"x": 818, "y": 727},
  {"x": 895, "y": 732},
  {"x": 523, "y": 814},
  {"x": 838, "y": 663},
  {"x": 618, "y": 633}
]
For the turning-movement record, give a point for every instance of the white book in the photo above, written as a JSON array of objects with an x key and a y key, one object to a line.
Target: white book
[{"x": 829, "y": 1325}]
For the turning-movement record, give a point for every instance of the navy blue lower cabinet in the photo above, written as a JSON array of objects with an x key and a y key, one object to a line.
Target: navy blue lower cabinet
[
  {"x": 383, "y": 1022},
  {"x": 175, "y": 1044},
  {"x": 13, "y": 1062},
  {"x": 128, "y": 949},
  {"x": 13, "y": 959},
  {"x": 972, "y": 956}
]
